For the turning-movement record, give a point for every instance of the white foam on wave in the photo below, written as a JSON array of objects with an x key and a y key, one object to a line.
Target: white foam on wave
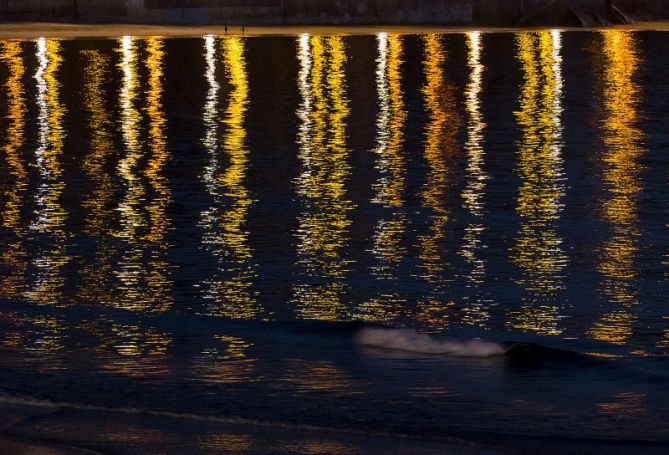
[{"x": 412, "y": 341}]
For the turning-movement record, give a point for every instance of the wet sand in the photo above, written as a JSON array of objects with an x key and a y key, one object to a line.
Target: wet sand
[
  {"x": 66, "y": 431},
  {"x": 34, "y": 30}
]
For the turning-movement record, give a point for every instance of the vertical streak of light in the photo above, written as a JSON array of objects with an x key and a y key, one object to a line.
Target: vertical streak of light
[
  {"x": 623, "y": 183},
  {"x": 440, "y": 144},
  {"x": 476, "y": 312},
  {"x": 324, "y": 224},
  {"x": 210, "y": 115},
  {"x": 226, "y": 233},
  {"x": 13, "y": 253},
  {"x": 50, "y": 215},
  {"x": 96, "y": 275},
  {"x": 305, "y": 89},
  {"x": 158, "y": 280},
  {"x": 131, "y": 266},
  {"x": 387, "y": 248},
  {"x": 538, "y": 250},
  {"x": 131, "y": 218}
]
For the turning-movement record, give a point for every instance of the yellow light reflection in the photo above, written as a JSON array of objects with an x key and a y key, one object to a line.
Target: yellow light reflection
[
  {"x": 324, "y": 224},
  {"x": 131, "y": 264},
  {"x": 96, "y": 282},
  {"x": 230, "y": 443},
  {"x": 623, "y": 184},
  {"x": 143, "y": 274},
  {"x": 12, "y": 252},
  {"x": 624, "y": 405},
  {"x": 388, "y": 249},
  {"x": 226, "y": 361},
  {"x": 226, "y": 233},
  {"x": 308, "y": 376},
  {"x": 538, "y": 250},
  {"x": 440, "y": 146},
  {"x": 35, "y": 334},
  {"x": 136, "y": 351},
  {"x": 475, "y": 311},
  {"x": 50, "y": 215},
  {"x": 158, "y": 281}
]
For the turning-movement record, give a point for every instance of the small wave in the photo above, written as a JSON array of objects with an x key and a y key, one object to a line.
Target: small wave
[{"x": 412, "y": 341}]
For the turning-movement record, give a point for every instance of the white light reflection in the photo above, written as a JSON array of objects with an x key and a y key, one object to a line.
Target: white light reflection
[{"x": 476, "y": 310}]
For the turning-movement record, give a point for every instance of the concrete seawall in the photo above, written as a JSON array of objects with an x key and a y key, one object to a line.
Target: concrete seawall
[{"x": 330, "y": 12}]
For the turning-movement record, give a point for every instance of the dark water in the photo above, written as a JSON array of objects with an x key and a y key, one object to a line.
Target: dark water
[{"x": 210, "y": 226}]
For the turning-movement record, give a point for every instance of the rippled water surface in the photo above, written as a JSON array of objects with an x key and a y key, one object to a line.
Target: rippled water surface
[{"x": 211, "y": 226}]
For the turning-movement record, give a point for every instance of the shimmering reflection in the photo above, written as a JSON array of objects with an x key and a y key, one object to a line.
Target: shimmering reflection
[
  {"x": 96, "y": 272},
  {"x": 440, "y": 147},
  {"x": 308, "y": 376},
  {"x": 388, "y": 249},
  {"x": 624, "y": 405},
  {"x": 538, "y": 250},
  {"x": 324, "y": 223},
  {"x": 33, "y": 334},
  {"x": 623, "y": 184},
  {"x": 130, "y": 267},
  {"x": 226, "y": 234},
  {"x": 226, "y": 360},
  {"x": 230, "y": 443},
  {"x": 50, "y": 216},
  {"x": 158, "y": 280},
  {"x": 13, "y": 251},
  {"x": 134, "y": 350},
  {"x": 475, "y": 308},
  {"x": 143, "y": 275}
]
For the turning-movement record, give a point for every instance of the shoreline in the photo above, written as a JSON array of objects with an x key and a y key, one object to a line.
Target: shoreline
[
  {"x": 67, "y": 430},
  {"x": 53, "y": 30}
]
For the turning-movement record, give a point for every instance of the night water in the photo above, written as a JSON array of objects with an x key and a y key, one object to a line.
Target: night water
[{"x": 395, "y": 236}]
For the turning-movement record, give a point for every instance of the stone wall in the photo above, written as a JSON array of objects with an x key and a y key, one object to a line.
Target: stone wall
[
  {"x": 259, "y": 12},
  {"x": 301, "y": 11}
]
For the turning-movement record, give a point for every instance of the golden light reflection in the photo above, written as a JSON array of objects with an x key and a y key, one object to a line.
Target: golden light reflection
[
  {"x": 624, "y": 405},
  {"x": 158, "y": 222},
  {"x": 143, "y": 274},
  {"x": 50, "y": 214},
  {"x": 440, "y": 147},
  {"x": 226, "y": 361},
  {"x": 47, "y": 335},
  {"x": 130, "y": 267},
  {"x": 158, "y": 281},
  {"x": 41, "y": 334},
  {"x": 538, "y": 250},
  {"x": 96, "y": 283},
  {"x": 13, "y": 253},
  {"x": 319, "y": 376},
  {"x": 132, "y": 220},
  {"x": 623, "y": 184},
  {"x": 226, "y": 234},
  {"x": 136, "y": 351},
  {"x": 324, "y": 223},
  {"x": 226, "y": 443},
  {"x": 388, "y": 249},
  {"x": 476, "y": 309}
]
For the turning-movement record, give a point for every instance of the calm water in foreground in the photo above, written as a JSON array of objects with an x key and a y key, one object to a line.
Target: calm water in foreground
[{"x": 210, "y": 226}]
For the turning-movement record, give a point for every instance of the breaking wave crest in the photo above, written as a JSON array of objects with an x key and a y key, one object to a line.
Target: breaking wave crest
[{"x": 412, "y": 341}]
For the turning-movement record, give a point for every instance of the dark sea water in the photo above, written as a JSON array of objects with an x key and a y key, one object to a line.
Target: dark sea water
[{"x": 434, "y": 237}]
